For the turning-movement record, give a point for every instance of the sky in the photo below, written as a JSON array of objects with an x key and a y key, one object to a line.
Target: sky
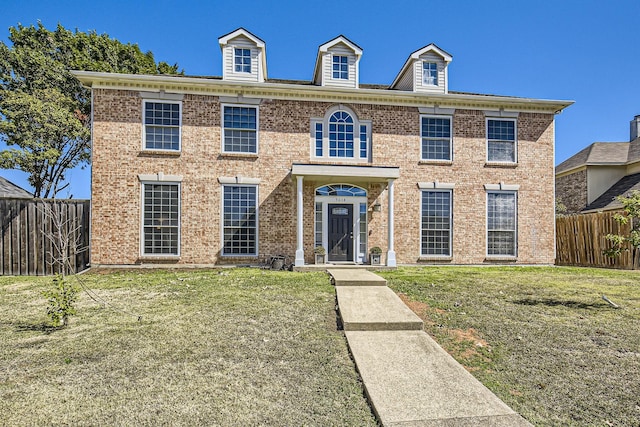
[{"x": 581, "y": 50}]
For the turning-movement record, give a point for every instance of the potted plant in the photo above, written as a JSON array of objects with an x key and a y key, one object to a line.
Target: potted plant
[
  {"x": 320, "y": 254},
  {"x": 374, "y": 255}
]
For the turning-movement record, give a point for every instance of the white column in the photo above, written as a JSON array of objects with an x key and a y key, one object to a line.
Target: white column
[
  {"x": 391, "y": 253},
  {"x": 300, "y": 247}
]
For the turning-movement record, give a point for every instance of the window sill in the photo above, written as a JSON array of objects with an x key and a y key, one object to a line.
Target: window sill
[
  {"x": 501, "y": 165},
  {"x": 436, "y": 162},
  {"x": 239, "y": 155},
  {"x": 167, "y": 153},
  {"x": 159, "y": 258},
  {"x": 434, "y": 258},
  {"x": 501, "y": 258}
]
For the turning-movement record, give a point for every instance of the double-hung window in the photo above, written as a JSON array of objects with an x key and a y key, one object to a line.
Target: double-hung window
[
  {"x": 436, "y": 138},
  {"x": 501, "y": 223},
  {"x": 240, "y": 129},
  {"x": 240, "y": 220},
  {"x": 501, "y": 140},
  {"x": 162, "y": 122},
  {"x": 242, "y": 60},
  {"x": 436, "y": 223},
  {"x": 340, "y": 67},
  {"x": 161, "y": 218},
  {"x": 429, "y": 74}
]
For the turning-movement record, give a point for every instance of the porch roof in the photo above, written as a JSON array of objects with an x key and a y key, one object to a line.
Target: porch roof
[{"x": 336, "y": 173}]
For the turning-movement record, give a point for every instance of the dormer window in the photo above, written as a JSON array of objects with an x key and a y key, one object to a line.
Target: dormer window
[
  {"x": 430, "y": 74},
  {"x": 340, "y": 67},
  {"x": 242, "y": 60}
]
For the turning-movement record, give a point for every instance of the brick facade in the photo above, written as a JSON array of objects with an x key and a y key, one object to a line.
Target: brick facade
[
  {"x": 571, "y": 190},
  {"x": 284, "y": 139}
]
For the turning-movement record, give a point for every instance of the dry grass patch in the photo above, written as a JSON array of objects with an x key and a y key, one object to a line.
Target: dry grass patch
[
  {"x": 232, "y": 347},
  {"x": 541, "y": 338}
]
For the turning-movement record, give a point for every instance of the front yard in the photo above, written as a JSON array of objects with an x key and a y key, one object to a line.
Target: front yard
[
  {"x": 542, "y": 339},
  {"x": 253, "y": 347}
]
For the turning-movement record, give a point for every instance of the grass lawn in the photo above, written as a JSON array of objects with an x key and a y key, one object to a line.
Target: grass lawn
[
  {"x": 542, "y": 339},
  {"x": 229, "y": 347}
]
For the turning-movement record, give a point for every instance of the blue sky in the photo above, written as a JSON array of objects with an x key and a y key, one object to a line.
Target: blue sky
[{"x": 587, "y": 51}]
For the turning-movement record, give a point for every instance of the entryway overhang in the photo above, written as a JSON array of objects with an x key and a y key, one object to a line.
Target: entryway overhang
[
  {"x": 339, "y": 173},
  {"x": 344, "y": 173}
]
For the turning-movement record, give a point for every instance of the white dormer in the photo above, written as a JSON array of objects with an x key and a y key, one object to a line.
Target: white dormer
[
  {"x": 424, "y": 71},
  {"x": 244, "y": 57},
  {"x": 337, "y": 63}
]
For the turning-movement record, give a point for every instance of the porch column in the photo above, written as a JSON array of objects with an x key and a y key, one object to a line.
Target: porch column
[
  {"x": 391, "y": 253},
  {"x": 300, "y": 246}
]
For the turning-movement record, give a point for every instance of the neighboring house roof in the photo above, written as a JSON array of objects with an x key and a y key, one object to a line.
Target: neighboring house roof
[
  {"x": 608, "y": 201},
  {"x": 8, "y": 190},
  {"x": 598, "y": 153}
]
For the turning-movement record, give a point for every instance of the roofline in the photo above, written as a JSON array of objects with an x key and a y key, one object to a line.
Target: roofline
[
  {"x": 414, "y": 56},
  {"x": 246, "y": 31},
  {"x": 312, "y": 92}
]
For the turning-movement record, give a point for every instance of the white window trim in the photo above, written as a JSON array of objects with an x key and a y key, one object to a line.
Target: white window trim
[
  {"x": 237, "y": 184},
  {"x": 438, "y": 116},
  {"x": 161, "y": 180},
  {"x": 505, "y": 189},
  {"x": 448, "y": 188},
  {"x": 222, "y": 129},
  {"x": 424, "y": 83},
  {"x": 515, "y": 142},
  {"x": 144, "y": 125},
  {"x": 325, "y": 136}
]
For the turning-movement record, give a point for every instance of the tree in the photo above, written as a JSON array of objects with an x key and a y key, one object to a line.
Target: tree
[
  {"x": 45, "y": 112},
  {"x": 631, "y": 215}
]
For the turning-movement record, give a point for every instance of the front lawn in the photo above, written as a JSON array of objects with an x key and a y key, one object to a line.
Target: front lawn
[
  {"x": 542, "y": 339},
  {"x": 224, "y": 347}
]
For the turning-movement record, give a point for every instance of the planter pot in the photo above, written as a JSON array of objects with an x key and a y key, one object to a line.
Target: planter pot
[
  {"x": 374, "y": 259},
  {"x": 320, "y": 259}
]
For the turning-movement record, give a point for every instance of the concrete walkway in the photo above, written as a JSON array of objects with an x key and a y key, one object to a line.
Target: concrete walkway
[{"x": 409, "y": 379}]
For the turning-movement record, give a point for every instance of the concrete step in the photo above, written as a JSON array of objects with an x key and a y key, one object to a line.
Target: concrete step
[
  {"x": 412, "y": 382},
  {"x": 374, "y": 308},
  {"x": 355, "y": 277}
]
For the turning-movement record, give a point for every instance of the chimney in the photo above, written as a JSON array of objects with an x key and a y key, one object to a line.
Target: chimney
[{"x": 635, "y": 128}]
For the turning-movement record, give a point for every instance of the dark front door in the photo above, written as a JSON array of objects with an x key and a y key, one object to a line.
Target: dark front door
[{"x": 340, "y": 233}]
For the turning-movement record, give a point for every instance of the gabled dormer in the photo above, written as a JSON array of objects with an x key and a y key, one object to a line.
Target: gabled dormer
[
  {"x": 424, "y": 71},
  {"x": 337, "y": 63},
  {"x": 244, "y": 57}
]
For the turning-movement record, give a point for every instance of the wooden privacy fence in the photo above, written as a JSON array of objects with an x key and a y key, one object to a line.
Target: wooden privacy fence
[
  {"x": 580, "y": 241},
  {"x": 32, "y": 230}
]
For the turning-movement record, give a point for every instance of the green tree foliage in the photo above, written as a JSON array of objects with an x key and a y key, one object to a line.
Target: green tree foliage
[
  {"x": 631, "y": 215},
  {"x": 45, "y": 112}
]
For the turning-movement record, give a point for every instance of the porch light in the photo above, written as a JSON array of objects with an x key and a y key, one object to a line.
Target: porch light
[{"x": 377, "y": 207}]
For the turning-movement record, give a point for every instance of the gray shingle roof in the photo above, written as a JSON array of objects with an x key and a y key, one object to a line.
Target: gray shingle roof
[
  {"x": 598, "y": 153},
  {"x": 8, "y": 190},
  {"x": 608, "y": 200}
]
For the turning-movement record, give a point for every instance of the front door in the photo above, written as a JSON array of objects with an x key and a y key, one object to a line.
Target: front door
[{"x": 340, "y": 232}]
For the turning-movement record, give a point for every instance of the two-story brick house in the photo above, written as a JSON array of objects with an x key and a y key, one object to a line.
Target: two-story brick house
[{"x": 221, "y": 170}]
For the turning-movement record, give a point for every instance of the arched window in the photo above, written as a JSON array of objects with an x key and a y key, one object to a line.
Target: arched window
[
  {"x": 342, "y": 190},
  {"x": 341, "y": 135}
]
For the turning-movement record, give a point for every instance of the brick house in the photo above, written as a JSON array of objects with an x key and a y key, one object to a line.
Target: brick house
[
  {"x": 222, "y": 170},
  {"x": 591, "y": 179}
]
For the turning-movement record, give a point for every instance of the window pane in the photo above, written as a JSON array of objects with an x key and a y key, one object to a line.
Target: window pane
[
  {"x": 162, "y": 126},
  {"x": 161, "y": 219},
  {"x": 430, "y": 73},
  {"x": 341, "y": 135},
  {"x": 501, "y": 224},
  {"x": 436, "y": 223},
  {"x": 240, "y": 222},
  {"x": 501, "y": 140},
  {"x": 240, "y": 129},
  {"x": 436, "y": 138},
  {"x": 340, "y": 67}
]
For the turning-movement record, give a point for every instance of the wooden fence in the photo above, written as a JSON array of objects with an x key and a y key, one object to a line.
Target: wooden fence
[
  {"x": 32, "y": 230},
  {"x": 580, "y": 241}
]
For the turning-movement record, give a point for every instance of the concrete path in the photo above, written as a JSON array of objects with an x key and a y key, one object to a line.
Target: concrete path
[{"x": 409, "y": 379}]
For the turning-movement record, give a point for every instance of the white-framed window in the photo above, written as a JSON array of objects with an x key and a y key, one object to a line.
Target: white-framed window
[
  {"x": 241, "y": 60},
  {"x": 436, "y": 224},
  {"x": 240, "y": 220},
  {"x": 501, "y": 140},
  {"x": 502, "y": 223},
  {"x": 341, "y": 135},
  {"x": 436, "y": 136},
  {"x": 162, "y": 123},
  {"x": 161, "y": 218},
  {"x": 240, "y": 129},
  {"x": 340, "y": 67},
  {"x": 429, "y": 73}
]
